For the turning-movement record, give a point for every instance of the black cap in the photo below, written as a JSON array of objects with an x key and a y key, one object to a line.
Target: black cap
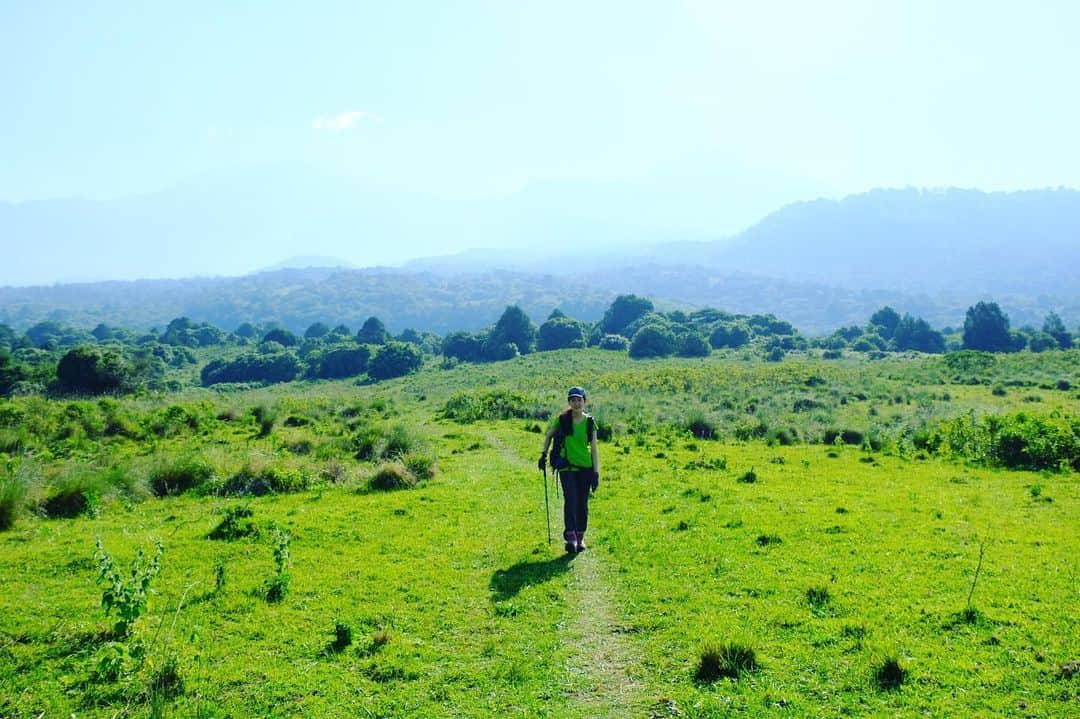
[{"x": 575, "y": 392}]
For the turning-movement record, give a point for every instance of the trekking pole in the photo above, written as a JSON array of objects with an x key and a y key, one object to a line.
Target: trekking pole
[{"x": 547, "y": 507}]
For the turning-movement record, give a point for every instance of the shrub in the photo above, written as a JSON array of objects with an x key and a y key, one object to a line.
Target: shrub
[
  {"x": 93, "y": 370},
  {"x": 843, "y": 436},
  {"x": 179, "y": 476},
  {"x": 652, "y": 341},
  {"x": 469, "y": 407},
  {"x": 700, "y": 426},
  {"x": 727, "y": 660},
  {"x": 391, "y": 476},
  {"x": 693, "y": 344},
  {"x": 395, "y": 359},
  {"x": 270, "y": 367},
  {"x": 561, "y": 333},
  {"x": 617, "y": 343},
  {"x": 748, "y": 477},
  {"x": 256, "y": 480},
  {"x": 340, "y": 362}
]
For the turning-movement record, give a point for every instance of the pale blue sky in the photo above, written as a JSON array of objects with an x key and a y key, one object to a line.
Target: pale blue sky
[{"x": 764, "y": 102}]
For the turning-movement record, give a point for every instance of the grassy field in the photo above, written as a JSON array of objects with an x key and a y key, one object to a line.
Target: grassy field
[{"x": 769, "y": 539}]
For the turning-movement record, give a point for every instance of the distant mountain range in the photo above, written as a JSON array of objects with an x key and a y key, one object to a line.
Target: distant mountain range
[{"x": 818, "y": 264}]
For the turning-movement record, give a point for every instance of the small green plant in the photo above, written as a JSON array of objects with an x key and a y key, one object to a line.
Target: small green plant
[
  {"x": 727, "y": 660},
  {"x": 108, "y": 663},
  {"x": 166, "y": 683},
  {"x": 890, "y": 674},
  {"x": 764, "y": 540},
  {"x": 748, "y": 477},
  {"x": 221, "y": 576},
  {"x": 128, "y": 596},
  {"x": 278, "y": 586},
  {"x": 970, "y": 611},
  {"x": 818, "y": 598},
  {"x": 343, "y": 637},
  {"x": 265, "y": 417},
  {"x": 236, "y": 523}
]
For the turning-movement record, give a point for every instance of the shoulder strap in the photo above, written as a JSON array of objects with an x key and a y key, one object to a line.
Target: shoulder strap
[{"x": 566, "y": 424}]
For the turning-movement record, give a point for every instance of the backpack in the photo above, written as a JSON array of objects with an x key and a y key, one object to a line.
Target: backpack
[{"x": 557, "y": 458}]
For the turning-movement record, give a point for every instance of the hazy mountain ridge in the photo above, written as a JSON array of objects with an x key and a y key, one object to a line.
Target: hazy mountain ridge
[
  {"x": 935, "y": 241},
  {"x": 819, "y": 265}
]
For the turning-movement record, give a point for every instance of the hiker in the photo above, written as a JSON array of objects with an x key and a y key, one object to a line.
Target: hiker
[{"x": 577, "y": 460}]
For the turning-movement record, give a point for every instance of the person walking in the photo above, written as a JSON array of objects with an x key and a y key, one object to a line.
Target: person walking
[{"x": 577, "y": 461}]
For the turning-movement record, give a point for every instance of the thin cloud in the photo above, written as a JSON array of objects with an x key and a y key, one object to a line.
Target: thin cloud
[{"x": 344, "y": 121}]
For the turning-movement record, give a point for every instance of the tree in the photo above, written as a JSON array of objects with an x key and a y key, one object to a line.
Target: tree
[
  {"x": 887, "y": 319},
  {"x": 729, "y": 334},
  {"x": 372, "y": 332},
  {"x": 246, "y": 330},
  {"x": 10, "y": 373},
  {"x": 561, "y": 333},
  {"x": 102, "y": 332},
  {"x": 395, "y": 359},
  {"x": 514, "y": 327},
  {"x": 692, "y": 344},
  {"x": 652, "y": 341},
  {"x": 624, "y": 310},
  {"x": 93, "y": 370},
  {"x": 913, "y": 333},
  {"x": 340, "y": 362},
  {"x": 282, "y": 336},
  {"x": 316, "y": 330},
  {"x": 1054, "y": 327},
  {"x": 7, "y": 337},
  {"x": 986, "y": 328},
  {"x": 275, "y": 366},
  {"x": 462, "y": 346}
]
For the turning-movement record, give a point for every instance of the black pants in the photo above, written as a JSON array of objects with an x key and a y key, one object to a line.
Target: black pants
[{"x": 575, "y": 487}]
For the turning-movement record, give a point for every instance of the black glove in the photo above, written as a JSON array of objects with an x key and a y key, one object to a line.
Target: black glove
[
  {"x": 594, "y": 481},
  {"x": 541, "y": 463}
]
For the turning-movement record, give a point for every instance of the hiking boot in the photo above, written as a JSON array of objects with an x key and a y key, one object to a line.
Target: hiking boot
[
  {"x": 580, "y": 546},
  {"x": 570, "y": 547}
]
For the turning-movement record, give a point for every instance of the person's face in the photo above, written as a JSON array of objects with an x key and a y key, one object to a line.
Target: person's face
[{"x": 576, "y": 402}]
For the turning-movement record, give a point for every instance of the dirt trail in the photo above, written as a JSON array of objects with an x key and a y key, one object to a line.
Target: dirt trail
[
  {"x": 600, "y": 663},
  {"x": 599, "y": 675}
]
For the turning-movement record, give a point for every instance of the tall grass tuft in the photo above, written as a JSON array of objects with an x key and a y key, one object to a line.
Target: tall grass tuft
[
  {"x": 75, "y": 493},
  {"x": 890, "y": 674},
  {"x": 179, "y": 475},
  {"x": 12, "y": 496},
  {"x": 732, "y": 659},
  {"x": 391, "y": 476}
]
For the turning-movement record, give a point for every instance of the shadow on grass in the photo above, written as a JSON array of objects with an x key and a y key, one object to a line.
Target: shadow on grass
[{"x": 506, "y": 583}]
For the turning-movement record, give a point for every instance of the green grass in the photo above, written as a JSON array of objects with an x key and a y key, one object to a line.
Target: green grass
[{"x": 446, "y": 600}]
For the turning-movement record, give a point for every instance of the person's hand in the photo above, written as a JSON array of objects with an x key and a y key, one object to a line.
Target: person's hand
[
  {"x": 541, "y": 463},
  {"x": 594, "y": 481}
]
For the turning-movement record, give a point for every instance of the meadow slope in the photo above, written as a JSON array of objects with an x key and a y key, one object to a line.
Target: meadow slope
[{"x": 868, "y": 575}]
